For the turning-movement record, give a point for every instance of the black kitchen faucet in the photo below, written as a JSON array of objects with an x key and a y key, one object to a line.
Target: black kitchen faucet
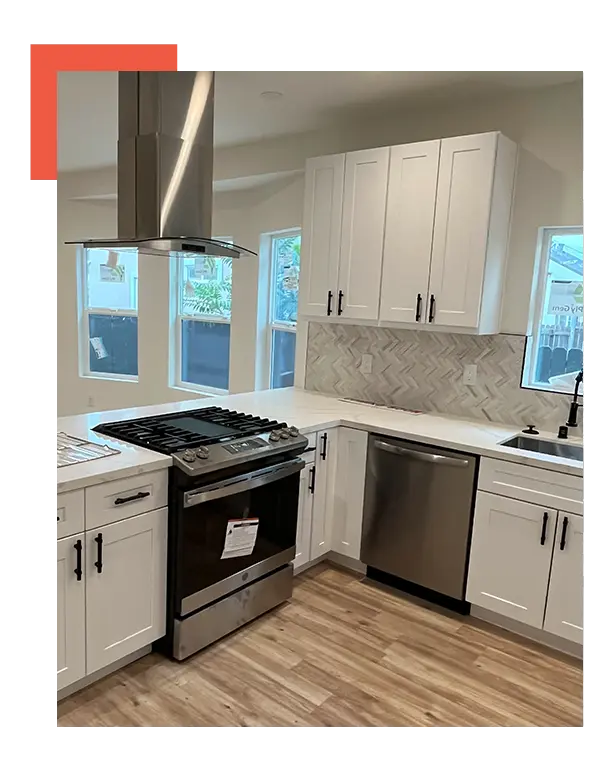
[{"x": 573, "y": 409}]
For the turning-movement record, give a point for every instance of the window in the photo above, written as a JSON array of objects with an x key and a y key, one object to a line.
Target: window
[
  {"x": 554, "y": 352},
  {"x": 109, "y": 332},
  {"x": 283, "y": 307},
  {"x": 203, "y": 322}
]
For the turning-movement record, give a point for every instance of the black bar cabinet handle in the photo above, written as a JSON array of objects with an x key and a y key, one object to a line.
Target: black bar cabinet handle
[
  {"x": 419, "y": 302},
  {"x": 563, "y": 535},
  {"x": 77, "y": 569},
  {"x": 431, "y": 308},
  {"x": 138, "y": 496},
  {"x": 311, "y": 480},
  {"x": 98, "y": 564},
  {"x": 340, "y": 295},
  {"x": 544, "y": 526},
  {"x": 329, "y": 302},
  {"x": 324, "y": 446}
]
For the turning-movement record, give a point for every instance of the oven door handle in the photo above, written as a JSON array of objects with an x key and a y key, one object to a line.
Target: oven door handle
[{"x": 243, "y": 483}]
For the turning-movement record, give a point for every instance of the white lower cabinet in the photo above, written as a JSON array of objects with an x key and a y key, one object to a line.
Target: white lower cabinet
[
  {"x": 70, "y": 611},
  {"x": 320, "y": 540},
  {"x": 125, "y": 587},
  {"x": 511, "y": 553},
  {"x": 330, "y": 502},
  {"x": 527, "y": 564},
  {"x": 305, "y": 514},
  {"x": 349, "y": 492},
  {"x": 564, "y": 610}
]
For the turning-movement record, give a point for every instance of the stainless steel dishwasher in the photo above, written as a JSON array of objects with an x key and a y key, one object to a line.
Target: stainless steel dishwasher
[{"x": 417, "y": 517}]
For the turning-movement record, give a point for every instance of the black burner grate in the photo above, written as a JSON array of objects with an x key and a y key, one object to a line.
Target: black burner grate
[{"x": 168, "y": 433}]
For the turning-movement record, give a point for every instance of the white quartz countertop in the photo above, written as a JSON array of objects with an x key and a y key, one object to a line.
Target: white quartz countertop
[
  {"x": 309, "y": 412},
  {"x": 130, "y": 461}
]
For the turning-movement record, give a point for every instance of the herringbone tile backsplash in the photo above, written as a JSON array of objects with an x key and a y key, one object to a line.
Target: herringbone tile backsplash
[{"x": 424, "y": 370}]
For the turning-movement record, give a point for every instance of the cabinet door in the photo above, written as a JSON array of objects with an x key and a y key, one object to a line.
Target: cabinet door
[
  {"x": 564, "y": 611},
  {"x": 125, "y": 602},
  {"x": 70, "y": 612},
  {"x": 324, "y": 493},
  {"x": 349, "y": 491},
  {"x": 460, "y": 231},
  {"x": 409, "y": 231},
  {"x": 511, "y": 552},
  {"x": 363, "y": 219},
  {"x": 305, "y": 513},
  {"x": 322, "y": 221}
]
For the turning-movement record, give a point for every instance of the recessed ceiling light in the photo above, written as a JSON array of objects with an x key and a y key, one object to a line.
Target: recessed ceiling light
[{"x": 271, "y": 95}]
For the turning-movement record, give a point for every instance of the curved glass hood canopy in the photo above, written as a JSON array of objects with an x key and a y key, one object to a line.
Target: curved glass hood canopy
[
  {"x": 165, "y": 167},
  {"x": 172, "y": 247}
]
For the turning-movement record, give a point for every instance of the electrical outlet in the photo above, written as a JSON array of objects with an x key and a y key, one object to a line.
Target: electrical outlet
[
  {"x": 470, "y": 374},
  {"x": 366, "y": 364},
  {"x": 91, "y": 401}
]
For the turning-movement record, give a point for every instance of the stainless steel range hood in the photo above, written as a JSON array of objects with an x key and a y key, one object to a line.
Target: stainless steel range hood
[{"x": 165, "y": 166}]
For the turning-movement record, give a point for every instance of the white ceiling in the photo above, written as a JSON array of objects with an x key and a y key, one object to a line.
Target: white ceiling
[{"x": 87, "y": 103}]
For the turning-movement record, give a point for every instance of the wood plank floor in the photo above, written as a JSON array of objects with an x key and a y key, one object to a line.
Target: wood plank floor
[{"x": 343, "y": 653}]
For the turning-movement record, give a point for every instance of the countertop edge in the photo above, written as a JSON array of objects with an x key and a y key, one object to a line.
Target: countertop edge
[
  {"x": 507, "y": 454},
  {"x": 101, "y": 477}
]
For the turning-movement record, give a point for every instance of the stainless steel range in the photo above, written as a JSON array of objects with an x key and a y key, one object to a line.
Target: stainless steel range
[{"x": 233, "y": 502}]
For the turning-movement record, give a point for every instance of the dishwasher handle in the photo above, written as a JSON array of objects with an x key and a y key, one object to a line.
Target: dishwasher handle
[{"x": 422, "y": 456}]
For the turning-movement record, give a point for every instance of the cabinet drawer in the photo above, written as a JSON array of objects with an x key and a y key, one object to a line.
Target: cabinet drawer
[
  {"x": 105, "y": 503},
  {"x": 534, "y": 485},
  {"x": 69, "y": 513}
]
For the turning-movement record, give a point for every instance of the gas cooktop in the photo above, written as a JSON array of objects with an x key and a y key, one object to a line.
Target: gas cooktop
[{"x": 188, "y": 436}]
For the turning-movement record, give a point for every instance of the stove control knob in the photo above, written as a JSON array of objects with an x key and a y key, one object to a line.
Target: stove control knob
[
  {"x": 202, "y": 453},
  {"x": 275, "y": 436},
  {"x": 188, "y": 456},
  {"x": 284, "y": 434},
  {"x": 293, "y": 431}
]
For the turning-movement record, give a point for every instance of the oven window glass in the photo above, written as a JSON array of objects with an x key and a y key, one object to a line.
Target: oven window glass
[{"x": 204, "y": 526}]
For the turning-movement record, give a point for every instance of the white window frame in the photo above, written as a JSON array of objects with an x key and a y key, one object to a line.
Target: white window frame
[
  {"x": 84, "y": 325},
  {"x": 272, "y": 325},
  {"x": 178, "y": 319},
  {"x": 536, "y": 308}
]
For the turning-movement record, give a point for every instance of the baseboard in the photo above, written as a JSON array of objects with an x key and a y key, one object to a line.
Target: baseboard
[
  {"x": 535, "y": 634},
  {"x": 354, "y": 565},
  {"x": 346, "y": 561},
  {"x": 309, "y": 564},
  {"x": 92, "y": 678}
]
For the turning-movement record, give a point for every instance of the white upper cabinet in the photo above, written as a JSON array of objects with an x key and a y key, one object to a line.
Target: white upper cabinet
[
  {"x": 564, "y": 610},
  {"x": 323, "y": 193},
  {"x": 409, "y": 231},
  {"x": 470, "y": 234},
  {"x": 363, "y": 222},
  {"x": 415, "y": 234}
]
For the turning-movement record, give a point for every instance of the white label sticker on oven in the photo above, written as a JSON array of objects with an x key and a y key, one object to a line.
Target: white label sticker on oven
[{"x": 240, "y": 538}]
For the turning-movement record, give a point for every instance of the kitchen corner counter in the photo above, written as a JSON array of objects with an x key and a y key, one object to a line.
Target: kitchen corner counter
[
  {"x": 309, "y": 412},
  {"x": 130, "y": 461}
]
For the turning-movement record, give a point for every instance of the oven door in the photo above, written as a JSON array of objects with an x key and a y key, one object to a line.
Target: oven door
[{"x": 233, "y": 532}]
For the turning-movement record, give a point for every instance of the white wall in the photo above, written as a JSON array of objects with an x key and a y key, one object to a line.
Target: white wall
[
  {"x": 547, "y": 123},
  {"x": 241, "y": 215}
]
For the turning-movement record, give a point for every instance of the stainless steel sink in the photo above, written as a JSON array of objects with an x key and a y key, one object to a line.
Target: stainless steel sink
[{"x": 545, "y": 447}]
